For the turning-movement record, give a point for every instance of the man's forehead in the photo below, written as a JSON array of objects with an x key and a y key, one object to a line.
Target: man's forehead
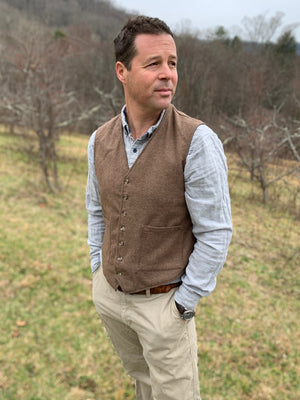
[{"x": 155, "y": 43}]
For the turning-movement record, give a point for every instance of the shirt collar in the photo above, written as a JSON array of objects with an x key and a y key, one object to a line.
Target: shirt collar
[{"x": 149, "y": 131}]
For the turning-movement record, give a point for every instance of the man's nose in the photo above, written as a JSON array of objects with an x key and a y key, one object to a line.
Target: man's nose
[{"x": 165, "y": 72}]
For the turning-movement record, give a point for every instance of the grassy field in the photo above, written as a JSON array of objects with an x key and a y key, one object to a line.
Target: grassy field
[{"x": 52, "y": 345}]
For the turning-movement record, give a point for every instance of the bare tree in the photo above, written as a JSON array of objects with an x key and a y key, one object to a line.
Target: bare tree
[
  {"x": 263, "y": 140},
  {"x": 45, "y": 87},
  {"x": 34, "y": 95},
  {"x": 260, "y": 29}
]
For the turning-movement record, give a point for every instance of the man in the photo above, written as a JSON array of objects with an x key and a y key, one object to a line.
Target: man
[{"x": 159, "y": 218}]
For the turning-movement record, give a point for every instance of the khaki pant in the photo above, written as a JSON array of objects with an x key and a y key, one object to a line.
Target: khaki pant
[{"x": 157, "y": 347}]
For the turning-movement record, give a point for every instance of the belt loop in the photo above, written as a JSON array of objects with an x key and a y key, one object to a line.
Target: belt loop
[{"x": 147, "y": 292}]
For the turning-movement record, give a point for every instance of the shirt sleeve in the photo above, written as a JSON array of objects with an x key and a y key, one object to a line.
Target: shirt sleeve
[
  {"x": 208, "y": 202},
  {"x": 96, "y": 225}
]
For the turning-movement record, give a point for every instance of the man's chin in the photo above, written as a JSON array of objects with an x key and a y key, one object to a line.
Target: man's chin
[{"x": 164, "y": 103}]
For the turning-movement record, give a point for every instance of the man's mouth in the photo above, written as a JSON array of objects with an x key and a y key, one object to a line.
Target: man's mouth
[{"x": 164, "y": 91}]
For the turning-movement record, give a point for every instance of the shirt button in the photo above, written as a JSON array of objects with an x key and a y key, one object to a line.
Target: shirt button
[
  {"x": 122, "y": 228},
  {"x": 134, "y": 150}
]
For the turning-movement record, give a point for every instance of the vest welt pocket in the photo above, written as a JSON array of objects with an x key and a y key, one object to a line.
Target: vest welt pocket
[{"x": 161, "y": 248}]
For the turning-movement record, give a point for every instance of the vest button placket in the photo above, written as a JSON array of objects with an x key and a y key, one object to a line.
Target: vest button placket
[{"x": 121, "y": 242}]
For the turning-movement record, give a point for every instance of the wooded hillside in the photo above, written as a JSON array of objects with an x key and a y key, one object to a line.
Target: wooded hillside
[{"x": 57, "y": 72}]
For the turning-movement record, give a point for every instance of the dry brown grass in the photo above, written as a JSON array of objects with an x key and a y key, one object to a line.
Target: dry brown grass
[{"x": 52, "y": 344}]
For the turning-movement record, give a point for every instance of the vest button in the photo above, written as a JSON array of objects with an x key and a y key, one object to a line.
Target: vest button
[
  {"x": 121, "y": 243},
  {"x": 126, "y": 180},
  {"x": 125, "y": 196},
  {"x": 122, "y": 228},
  {"x": 120, "y": 259},
  {"x": 124, "y": 213}
]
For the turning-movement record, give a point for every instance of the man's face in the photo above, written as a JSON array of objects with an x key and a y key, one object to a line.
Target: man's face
[{"x": 151, "y": 82}]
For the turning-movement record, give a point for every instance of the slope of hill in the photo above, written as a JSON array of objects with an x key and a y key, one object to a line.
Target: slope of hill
[
  {"x": 100, "y": 16},
  {"x": 52, "y": 344}
]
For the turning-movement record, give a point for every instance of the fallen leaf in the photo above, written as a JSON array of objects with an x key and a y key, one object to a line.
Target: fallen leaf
[{"x": 21, "y": 323}]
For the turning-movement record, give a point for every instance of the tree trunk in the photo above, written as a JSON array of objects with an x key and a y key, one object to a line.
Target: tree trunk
[
  {"x": 263, "y": 184},
  {"x": 54, "y": 166},
  {"x": 252, "y": 164},
  {"x": 43, "y": 161}
]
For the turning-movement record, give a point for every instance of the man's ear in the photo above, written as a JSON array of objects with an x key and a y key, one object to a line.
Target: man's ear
[{"x": 121, "y": 72}]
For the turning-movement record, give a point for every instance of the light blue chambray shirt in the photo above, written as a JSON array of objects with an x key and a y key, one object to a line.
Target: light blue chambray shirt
[{"x": 207, "y": 199}]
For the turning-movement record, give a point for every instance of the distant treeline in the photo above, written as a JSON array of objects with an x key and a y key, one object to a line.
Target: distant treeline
[{"x": 57, "y": 72}]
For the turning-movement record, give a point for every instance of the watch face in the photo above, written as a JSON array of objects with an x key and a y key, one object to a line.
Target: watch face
[{"x": 188, "y": 315}]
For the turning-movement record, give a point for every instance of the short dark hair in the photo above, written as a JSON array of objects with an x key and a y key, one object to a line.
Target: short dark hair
[{"x": 124, "y": 43}]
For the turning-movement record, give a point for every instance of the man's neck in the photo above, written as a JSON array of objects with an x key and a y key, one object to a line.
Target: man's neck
[{"x": 140, "y": 122}]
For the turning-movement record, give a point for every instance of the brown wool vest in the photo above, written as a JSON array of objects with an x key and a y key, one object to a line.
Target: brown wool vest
[{"x": 148, "y": 231}]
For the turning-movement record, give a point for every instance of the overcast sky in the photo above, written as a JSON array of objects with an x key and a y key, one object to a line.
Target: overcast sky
[{"x": 202, "y": 15}]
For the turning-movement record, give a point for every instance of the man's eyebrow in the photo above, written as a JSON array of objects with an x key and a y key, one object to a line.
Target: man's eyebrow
[{"x": 154, "y": 58}]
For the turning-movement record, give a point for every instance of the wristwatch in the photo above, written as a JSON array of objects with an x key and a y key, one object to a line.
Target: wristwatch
[{"x": 184, "y": 313}]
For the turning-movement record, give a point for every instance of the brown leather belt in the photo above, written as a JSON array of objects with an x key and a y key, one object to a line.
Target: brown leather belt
[{"x": 157, "y": 289}]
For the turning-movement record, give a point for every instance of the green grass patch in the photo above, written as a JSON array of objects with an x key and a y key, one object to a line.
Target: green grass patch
[{"x": 52, "y": 344}]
